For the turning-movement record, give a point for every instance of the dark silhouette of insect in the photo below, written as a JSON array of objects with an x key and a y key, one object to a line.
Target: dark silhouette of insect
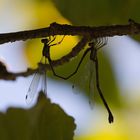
[
  {"x": 41, "y": 70},
  {"x": 94, "y": 46}
]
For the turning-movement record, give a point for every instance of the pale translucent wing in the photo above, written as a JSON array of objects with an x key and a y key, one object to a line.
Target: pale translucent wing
[
  {"x": 86, "y": 81},
  {"x": 92, "y": 84},
  {"x": 81, "y": 78},
  {"x": 44, "y": 82},
  {"x": 33, "y": 88}
]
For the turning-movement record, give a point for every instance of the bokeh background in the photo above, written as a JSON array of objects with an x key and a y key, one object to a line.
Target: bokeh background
[{"x": 119, "y": 64}]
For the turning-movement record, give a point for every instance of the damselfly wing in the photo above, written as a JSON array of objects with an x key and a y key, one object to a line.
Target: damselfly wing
[
  {"x": 33, "y": 88},
  {"x": 40, "y": 74},
  {"x": 84, "y": 80}
]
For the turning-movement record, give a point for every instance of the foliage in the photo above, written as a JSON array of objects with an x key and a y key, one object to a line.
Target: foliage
[
  {"x": 98, "y": 12},
  {"x": 46, "y": 120},
  {"x": 43, "y": 121}
]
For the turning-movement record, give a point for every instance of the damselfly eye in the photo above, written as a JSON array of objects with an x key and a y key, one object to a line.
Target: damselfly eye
[
  {"x": 45, "y": 40},
  {"x": 91, "y": 43}
]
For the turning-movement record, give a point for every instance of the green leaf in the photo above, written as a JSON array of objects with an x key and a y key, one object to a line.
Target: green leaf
[
  {"x": 18, "y": 125},
  {"x": 98, "y": 12},
  {"x": 44, "y": 121},
  {"x": 50, "y": 121}
]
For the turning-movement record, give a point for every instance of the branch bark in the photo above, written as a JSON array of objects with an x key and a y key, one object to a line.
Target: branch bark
[
  {"x": 87, "y": 33},
  {"x": 58, "y": 29},
  {"x": 4, "y": 74}
]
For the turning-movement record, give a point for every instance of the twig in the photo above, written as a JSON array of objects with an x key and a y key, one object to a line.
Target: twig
[
  {"x": 86, "y": 32},
  {"x": 64, "y": 29},
  {"x": 4, "y": 74}
]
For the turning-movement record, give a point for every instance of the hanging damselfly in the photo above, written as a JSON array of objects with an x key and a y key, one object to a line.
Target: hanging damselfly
[
  {"x": 42, "y": 71},
  {"x": 93, "y": 48}
]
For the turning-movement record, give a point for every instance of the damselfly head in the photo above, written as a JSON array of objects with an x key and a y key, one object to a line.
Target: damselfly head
[
  {"x": 45, "y": 40},
  {"x": 91, "y": 44}
]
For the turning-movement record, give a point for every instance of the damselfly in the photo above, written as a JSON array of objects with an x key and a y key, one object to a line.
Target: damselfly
[
  {"x": 94, "y": 46},
  {"x": 41, "y": 70}
]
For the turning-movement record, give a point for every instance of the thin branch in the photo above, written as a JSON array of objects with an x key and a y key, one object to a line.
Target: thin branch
[
  {"x": 86, "y": 32},
  {"x": 4, "y": 74},
  {"x": 64, "y": 29}
]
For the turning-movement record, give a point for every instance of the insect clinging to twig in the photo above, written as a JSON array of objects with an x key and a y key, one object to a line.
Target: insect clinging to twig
[
  {"x": 94, "y": 46},
  {"x": 41, "y": 70}
]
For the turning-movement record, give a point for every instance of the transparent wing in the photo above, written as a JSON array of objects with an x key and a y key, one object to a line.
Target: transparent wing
[
  {"x": 85, "y": 81},
  {"x": 92, "y": 84},
  {"x": 80, "y": 79},
  {"x": 44, "y": 82},
  {"x": 33, "y": 88}
]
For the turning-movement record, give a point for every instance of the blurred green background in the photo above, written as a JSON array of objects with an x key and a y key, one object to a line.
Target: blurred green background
[{"x": 123, "y": 100}]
